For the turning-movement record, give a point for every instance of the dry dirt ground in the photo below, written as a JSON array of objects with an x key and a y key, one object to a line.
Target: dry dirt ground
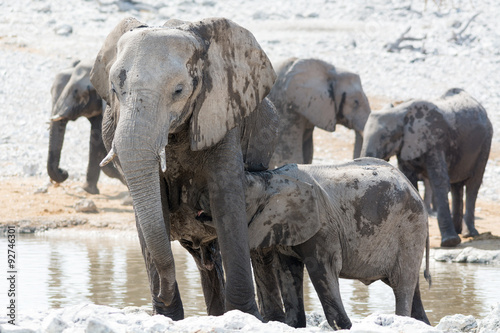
[{"x": 36, "y": 204}]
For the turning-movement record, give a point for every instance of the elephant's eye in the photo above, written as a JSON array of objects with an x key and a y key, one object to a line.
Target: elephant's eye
[
  {"x": 356, "y": 103},
  {"x": 178, "y": 89},
  {"x": 113, "y": 88}
]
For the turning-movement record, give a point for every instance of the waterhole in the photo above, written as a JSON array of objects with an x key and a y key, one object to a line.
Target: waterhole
[{"x": 61, "y": 268}]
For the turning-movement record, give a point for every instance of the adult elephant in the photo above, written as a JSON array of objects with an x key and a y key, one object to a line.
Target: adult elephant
[
  {"x": 311, "y": 93},
  {"x": 187, "y": 108},
  {"x": 73, "y": 96},
  {"x": 446, "y": 140}
]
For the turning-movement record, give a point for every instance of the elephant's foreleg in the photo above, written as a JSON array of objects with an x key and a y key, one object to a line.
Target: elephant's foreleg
[
  {"x": 417, "y": 308},
  {"x": 268, "y": 293},
  {"x": 437, "y": 171},
  {"x": 95, "y": 152},
  {"x": 457, "y": 205},
  {"x": 225, "y": 179},
  {"x": 291, "y": 278}
]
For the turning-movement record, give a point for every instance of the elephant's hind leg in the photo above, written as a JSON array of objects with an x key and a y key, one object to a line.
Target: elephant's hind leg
[
  {"x": 457, "y": 205},
  {"x": 471, "y": 190},
  {"x": 325, "y": 279},
  {"x": 404, "y": 287},
  {"x": 417, "y": 308}
]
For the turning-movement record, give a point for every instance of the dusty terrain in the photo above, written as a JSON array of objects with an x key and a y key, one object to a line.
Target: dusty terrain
[{"x": 33, "y": 203}]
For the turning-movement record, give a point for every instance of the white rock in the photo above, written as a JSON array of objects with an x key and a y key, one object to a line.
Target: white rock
[
  {"x": 63, "y": 30},
  {"x": 53, "y": 324},
  {"x": 457, "y": 323},
  {"x": 85, "y": 206},
  {"x": 95, "y": 325},
  {"x": 491, "y": 323},
  {"x": 473, "y": 255}
]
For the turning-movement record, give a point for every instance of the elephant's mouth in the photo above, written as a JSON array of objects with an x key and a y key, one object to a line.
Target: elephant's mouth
[{"x": 203, "y": 217}]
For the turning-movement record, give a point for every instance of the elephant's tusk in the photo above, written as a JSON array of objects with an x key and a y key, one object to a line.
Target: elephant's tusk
[
  {"x": 111, "y": 155},
  {"x": 56, "y": 118},
  {"x": 163, "y": 161}
]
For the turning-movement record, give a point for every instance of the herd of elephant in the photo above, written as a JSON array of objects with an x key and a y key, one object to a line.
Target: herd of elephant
[{"x": 213, "y": 144}]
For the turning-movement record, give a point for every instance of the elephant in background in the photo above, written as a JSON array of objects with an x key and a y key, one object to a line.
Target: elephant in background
[
  {"x": 358, "y": 220},
  {"x": 73, "y": 96},
  {"x": 312, "y": 93},
  {"x": 187, "y": 108},
  {"x": 446, "y": 140}
]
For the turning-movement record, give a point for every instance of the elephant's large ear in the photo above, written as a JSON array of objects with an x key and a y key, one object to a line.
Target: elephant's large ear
[
  {"x": 424, "y": 128},
  {"x": 289, "y": 217},
  {"x": 99, "y": 75},
  {"x": 309, "y": 88},
  {"x": 237, "y": 76}
]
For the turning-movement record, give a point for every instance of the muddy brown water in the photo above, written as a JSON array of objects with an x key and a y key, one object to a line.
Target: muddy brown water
[{"x": 60, "y": 268}]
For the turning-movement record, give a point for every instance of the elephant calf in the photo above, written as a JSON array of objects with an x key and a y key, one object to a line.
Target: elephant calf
[
  {"x": 446, "y": 140},
  {"x": 359, "y": 220}
]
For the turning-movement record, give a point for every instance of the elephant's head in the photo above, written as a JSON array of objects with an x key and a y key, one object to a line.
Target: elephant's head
[
  {"x": 281, "y": 208},
  {"x": 408, "y": 130},
  {"x": 73, "y": 96},
  {"x": 202, "y": 77},
  {"x": 326, "y": 95}
]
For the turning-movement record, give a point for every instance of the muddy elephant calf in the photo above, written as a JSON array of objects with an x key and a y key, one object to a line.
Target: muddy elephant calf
[{"x": 359, "y": 220}]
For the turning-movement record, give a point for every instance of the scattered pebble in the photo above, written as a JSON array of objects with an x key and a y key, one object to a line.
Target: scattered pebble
[
  {"x": 86, "y": 206},
  {"x": 42, "y": 189},
  {"x": 63, "y": 30}
]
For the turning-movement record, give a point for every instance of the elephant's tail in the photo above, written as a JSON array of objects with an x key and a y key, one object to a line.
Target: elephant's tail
[{"x": 427, "y": 273}]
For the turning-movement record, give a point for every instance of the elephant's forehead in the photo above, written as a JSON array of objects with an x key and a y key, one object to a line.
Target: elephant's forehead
[{"x": 159, "y": 41}]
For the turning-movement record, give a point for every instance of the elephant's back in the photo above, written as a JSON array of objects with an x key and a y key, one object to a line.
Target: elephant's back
[
  {"x": 365, "y": 183},
  {"x": 378, "y": 213}
]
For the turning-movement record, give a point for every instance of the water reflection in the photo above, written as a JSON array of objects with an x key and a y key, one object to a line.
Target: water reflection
[{"x": 63, "y": 268}]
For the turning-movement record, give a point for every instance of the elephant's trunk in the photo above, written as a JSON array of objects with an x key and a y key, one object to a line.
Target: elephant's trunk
[
  {"x": 358, "y": 144},
  {"x": 138, "y": 154},
  {"x": 56, "y": 139}
]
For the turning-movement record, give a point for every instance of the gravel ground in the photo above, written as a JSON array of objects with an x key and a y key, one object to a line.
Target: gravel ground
[{"x": 39, "y": 38}]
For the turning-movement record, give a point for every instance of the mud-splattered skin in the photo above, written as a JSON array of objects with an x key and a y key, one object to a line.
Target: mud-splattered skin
[
  {"x": 310, "y": 93},
  {"x": 360, "y": 220},
  {"x": 447, "y": 141},
  {"x": 187, "y": 110},
  {"x": 73, "y": 96}
]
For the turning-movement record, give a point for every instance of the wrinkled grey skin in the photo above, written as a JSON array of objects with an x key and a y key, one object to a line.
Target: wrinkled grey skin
[
  {"x": 359, "y": 220},
  {"x": 311, "y": 93},
  {"x": 446, "y": 140},
  {"x": 187, "y": 108},
  {"x": 73, "y": 96}
]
